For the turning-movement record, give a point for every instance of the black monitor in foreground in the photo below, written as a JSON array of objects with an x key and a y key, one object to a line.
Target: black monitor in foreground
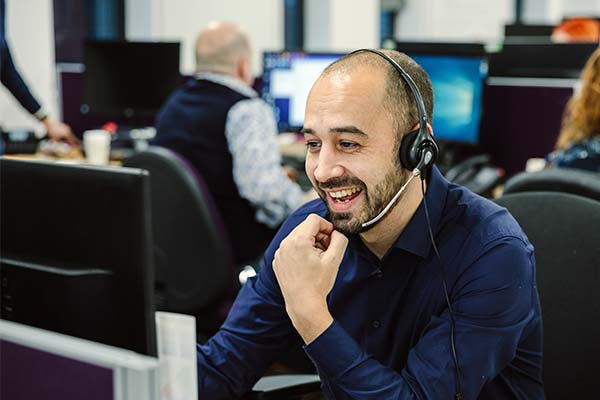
[
  {"x": 457, "y": 72},
  {"x": 129, "y": 78},
  {"x": 76, "y": 252}
]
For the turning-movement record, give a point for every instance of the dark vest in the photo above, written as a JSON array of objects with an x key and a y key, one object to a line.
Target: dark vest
[{"x": 192, "y": 123}]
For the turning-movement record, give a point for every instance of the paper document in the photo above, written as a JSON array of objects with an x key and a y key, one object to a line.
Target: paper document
[{"x": 176, "y": 339}]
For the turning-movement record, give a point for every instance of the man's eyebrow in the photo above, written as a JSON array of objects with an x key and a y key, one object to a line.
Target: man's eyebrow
[
  {"x": 349, "y": 129},
  {"x": 342, "y": 129}
]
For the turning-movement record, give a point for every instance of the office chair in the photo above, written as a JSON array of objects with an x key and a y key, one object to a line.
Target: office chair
[
  {"x": 194, "y": 266},
  {"x": 564, "y": 231},
  {"x": 566, "y": 180}
]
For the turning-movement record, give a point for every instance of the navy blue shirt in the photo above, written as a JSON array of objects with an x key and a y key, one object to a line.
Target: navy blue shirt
[{"x": 390, "y": 338}]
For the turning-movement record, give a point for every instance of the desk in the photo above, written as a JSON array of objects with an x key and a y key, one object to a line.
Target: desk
[{"x": 75, "y": 157}]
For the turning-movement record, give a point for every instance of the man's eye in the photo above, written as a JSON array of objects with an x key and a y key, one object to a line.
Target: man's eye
[
  {"x": 348, "y": 145},
  {"x": 312, "y": 145}
]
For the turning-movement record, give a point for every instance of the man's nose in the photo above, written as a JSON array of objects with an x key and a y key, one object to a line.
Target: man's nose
[{"x": 327, "y": 166}]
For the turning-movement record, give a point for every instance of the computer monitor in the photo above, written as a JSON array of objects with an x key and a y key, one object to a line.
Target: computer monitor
[
  {"x": 39, "y": 364},
  {"x": 541, "y": 60},
  {"x": 76, "y": 252},
  {"x": 287, "y": 79},
  {"x": 523, "y": 118},
  {"x": 524, "y": 32},
  {"x": 129, "y": 78},
  {"x": 457, "y": 72}
]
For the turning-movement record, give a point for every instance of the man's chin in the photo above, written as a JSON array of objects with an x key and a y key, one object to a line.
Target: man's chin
[{"x": 345, "y": 223}]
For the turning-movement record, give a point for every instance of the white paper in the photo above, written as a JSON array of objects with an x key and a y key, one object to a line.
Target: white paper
[{"x": 176, "y": 339}]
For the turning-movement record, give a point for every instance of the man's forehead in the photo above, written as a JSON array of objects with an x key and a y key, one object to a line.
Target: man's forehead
[{"x": 359, "y": 83}]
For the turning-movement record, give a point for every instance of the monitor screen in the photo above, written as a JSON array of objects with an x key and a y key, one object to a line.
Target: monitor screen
[
  {"x": 287, "y": 79},
  {"x": 129, "y": 78},
  {"x": 458, "y": 93},
  {"x": 76, "y": 251}
]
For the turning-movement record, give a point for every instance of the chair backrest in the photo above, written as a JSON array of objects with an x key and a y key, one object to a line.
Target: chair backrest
[
  {"x": 564, "y": 230},
  {"x": 193, "y": 257},
  {"x": 566, "y": 180}
]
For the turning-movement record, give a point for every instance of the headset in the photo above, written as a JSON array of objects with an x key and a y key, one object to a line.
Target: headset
[
  {"x": 418, "y": 149},
  {"x": 417, "y": 143},
  {"x": 418, "y": 152}
]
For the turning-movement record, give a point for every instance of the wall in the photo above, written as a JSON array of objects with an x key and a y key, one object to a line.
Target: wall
[
  {"x": 552, "y": 11},
  {"x": 181, "y": 20},
  {"x": 456, "y": 20},
  {"x": 475, "y": 20},
  {"x": 30, "y": 33},
  {"x": 341, "y": 25}
]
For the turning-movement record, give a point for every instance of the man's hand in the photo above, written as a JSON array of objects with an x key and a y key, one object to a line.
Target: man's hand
[
  {"x": 306, "y": 265},
  {"x": 59, "y": 131}
]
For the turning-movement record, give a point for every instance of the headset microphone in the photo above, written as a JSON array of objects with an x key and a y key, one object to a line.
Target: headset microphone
[{"x": 415, "y": 172}]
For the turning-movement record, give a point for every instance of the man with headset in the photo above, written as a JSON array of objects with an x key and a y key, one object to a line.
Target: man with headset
[{"x": 396, "y": 287}]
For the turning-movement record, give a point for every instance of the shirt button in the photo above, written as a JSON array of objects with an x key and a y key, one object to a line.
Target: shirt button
[
  {"x": 379, "y": 274},
  {"x": 376, "y": 323}
]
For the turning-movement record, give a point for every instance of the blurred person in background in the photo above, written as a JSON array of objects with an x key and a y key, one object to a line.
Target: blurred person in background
[
  {"x": 578, "y": 144},
  {"x": 11, "y": 79},
  {"x": 577, "y": 30}
]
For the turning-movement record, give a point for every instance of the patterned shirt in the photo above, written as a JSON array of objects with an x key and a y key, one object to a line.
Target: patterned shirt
[
  {"x": 582, "y": 155},
  {"x": 251, "y": 134}
]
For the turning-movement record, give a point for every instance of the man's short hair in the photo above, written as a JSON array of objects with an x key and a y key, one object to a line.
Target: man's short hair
[{"x": 399, "y": 100}]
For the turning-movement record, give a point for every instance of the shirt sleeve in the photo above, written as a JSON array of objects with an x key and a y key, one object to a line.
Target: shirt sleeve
[
  {"x": 493, "y": 301},
  {"x": 256, "y": 331},
  {"x": 11, "y": 79},
  {"x": 252, "y": 140}
]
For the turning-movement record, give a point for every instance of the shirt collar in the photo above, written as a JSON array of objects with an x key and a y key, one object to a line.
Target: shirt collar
[
  {"x": 229, "y": 81},
  {"x": 415, "y": 237}
]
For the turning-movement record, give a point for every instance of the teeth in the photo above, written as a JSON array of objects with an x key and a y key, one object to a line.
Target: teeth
[{"x": 343, "y": 193}]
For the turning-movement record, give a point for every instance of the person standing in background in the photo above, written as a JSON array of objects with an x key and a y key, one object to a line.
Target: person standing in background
[{"x": 11, "y": 79}]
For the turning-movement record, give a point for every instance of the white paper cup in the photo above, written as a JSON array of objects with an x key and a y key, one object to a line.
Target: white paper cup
[
  {"x": 96, "y": 144},
  {"x": 535, "y": 164}
]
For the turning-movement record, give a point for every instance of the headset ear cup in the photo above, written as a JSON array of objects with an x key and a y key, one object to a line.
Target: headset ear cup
[{"x": 408, "y": 161}]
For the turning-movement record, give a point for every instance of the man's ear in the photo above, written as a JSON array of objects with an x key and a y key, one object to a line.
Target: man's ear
[{"x": 245, "y": 70}]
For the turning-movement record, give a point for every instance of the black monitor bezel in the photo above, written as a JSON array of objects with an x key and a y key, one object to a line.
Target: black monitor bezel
[
  {"x": 91, "y": 104},
  {"x": 133, "y": 296}
]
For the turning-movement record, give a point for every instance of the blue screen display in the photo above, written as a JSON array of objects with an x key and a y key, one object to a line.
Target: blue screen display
[
  {"x": 458, "y": 89},
  {"x": 287, "y": 79}
]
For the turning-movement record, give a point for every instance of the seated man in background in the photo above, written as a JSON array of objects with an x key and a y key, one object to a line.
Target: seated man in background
[
  {"x": 578, "y": 144},
  {"x": 219, "y": 124},
  {"x": 429, "y": 297}
]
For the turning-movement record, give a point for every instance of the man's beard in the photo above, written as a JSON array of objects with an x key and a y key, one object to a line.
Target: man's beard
[{"x": 376, "y": 200}]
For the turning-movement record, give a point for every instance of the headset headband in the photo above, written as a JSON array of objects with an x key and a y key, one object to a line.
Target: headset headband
[{"x": 423, "y": 118}]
